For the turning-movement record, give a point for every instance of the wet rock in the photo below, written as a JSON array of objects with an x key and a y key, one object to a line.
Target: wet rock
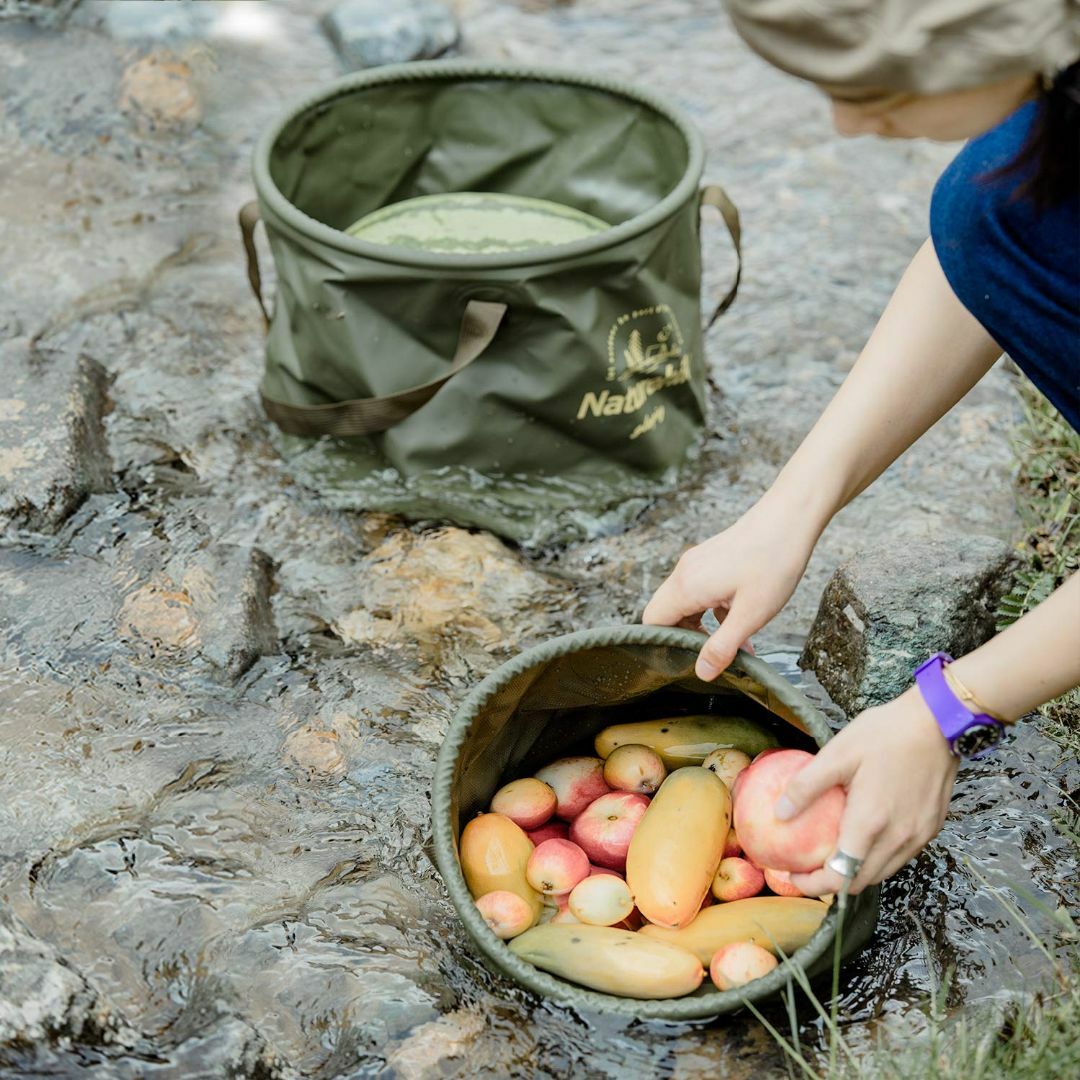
[
  {"x": 430, "y": 1051},
  {"x": 230, "y": 1047},
  {"x": 42, "y": 998},
  {"x": 892, "y": 606},
  {"x": 215, "y": 603},
  {"x": 368, "y": 33},
  {"x": 157, "y": 92},
  {"x": 446, "y": 586},
  {"x": 163, "y": 20},
  {"x": 52, "y": 444},
  {"x": 315, "y": 752}
]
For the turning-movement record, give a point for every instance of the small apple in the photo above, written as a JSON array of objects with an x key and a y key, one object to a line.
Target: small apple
[
  {"x": 576, "y": 781},
  {"x": 799, "y": 845},
  {"x": 553, "y": 830},
  {"x": 556, "y": 866},
  {"x": 732, "y": 847},
  {"x": 506, "y": 913},
  {"x": 780, "y": 882},
  {"x": 603, "y": 830},
  {"x": 737, "y": 879},
  {"x": 634, "y": 767},
  {"x": 527, "y": 802},
  {"x": 738, "y": 963},
  {"x": 602, "y": 900},
  {"x": 727, "y": 763}
]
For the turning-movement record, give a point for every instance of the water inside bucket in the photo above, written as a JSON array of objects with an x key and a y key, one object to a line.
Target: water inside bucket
[{"x": 475, "y": 223}]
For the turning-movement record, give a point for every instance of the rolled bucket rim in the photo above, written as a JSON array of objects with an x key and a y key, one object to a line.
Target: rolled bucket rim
[
  {"x": 562, "y": 992},
  {"x": 284, "y": 212}
]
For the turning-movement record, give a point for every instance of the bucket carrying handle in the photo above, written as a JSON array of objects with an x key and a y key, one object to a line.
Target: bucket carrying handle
[
  {"x": 249, "y": 218},
  {"x": 368, "y": 416},
  {"x": 715, "y": 195}
]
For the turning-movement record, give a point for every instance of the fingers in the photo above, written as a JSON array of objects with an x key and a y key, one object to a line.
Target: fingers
[
  {"x": 718, "y": 652},
  {"x": 829, "y": 768},
  {"x": 679, "y": 597},
  {"x": 859, "y": 834}
]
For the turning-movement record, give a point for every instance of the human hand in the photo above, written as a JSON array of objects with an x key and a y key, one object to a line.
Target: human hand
[
  {"x": 745, "y": 575},
  {"x": 898, "y": 772}
]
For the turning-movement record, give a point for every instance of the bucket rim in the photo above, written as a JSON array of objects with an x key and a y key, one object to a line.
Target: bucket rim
[
  {"x": 278, "y": 210},
  {"x": 562, "y": 992}
]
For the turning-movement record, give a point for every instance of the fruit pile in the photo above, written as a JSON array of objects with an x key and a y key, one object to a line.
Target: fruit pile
[{"x": 633, "y": 871}]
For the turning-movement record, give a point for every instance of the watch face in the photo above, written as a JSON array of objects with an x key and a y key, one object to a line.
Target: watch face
[{"x": 977, "y": 738}]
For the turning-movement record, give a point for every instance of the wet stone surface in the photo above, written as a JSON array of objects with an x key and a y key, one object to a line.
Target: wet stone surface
[
  {"x": 890, "y": 607},
  {"x": 221, "y": 699}
]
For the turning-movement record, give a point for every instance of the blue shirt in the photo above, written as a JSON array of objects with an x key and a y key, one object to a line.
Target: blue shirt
[{"x": 1015, "y": 267}]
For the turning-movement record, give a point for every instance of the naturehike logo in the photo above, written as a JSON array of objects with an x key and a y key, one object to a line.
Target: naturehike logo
[{"x": 645, "y": 354}]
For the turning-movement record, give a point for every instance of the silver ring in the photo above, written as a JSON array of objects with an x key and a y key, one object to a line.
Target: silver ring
[{"x": 847, "y": 866}]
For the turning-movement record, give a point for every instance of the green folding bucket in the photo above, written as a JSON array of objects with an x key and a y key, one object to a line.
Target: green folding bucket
[
  {"x": 530, "y": 391},
  {"x": 551, "y": 701}
]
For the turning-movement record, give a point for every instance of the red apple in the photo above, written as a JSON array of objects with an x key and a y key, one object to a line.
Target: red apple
[
  {"x": 739, "y": 963},
  {"x": 506, "y": 913},
  {"x": 602, "y": 900},
  {"x": 799, "y": 845},
  {"x": 556, "y": 866},
  {"x": 732, "y": 847},
  {"x": 604, "y": 829},
  {"x": 553, "y": 830},
  {"x": 737, "y": 879},
  {"x": 780, "y": 882},
  {"x": 636, "y": 768},
  {"x": 576, "y": 781},
  {"x": 727, "y": 763},
  {"x": 527, "y": 802}
]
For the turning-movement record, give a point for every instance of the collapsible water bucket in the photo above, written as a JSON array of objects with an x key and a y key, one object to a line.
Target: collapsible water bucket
[
  {"x": 551, "y": 701},
  {"x": 524, "y": 389}
]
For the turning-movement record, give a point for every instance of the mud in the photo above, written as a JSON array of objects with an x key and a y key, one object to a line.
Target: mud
[{"x": 218, "y": 830}]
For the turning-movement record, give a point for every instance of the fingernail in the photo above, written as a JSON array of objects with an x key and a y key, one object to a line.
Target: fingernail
[
  {"x": 784, "y": 809},
  {"x": 706, "y": 671}
]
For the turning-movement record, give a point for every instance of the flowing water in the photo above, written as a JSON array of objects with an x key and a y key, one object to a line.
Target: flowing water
[{"x": 215, "y": 767}]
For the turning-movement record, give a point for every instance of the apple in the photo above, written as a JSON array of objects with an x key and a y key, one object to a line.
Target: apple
[
  {"x": 506, "y": 913},
  {"x": 634, "y": 767},
  {"x": 528, "y": 802},
  {"x": 602, "y": 900},
  {"x": 553, "y": 830},
  {"x": 780, "y": 882},
  {"x": 732, "y": 847},
  {"x": 737, "y": 879},
  {"x": 739, "y": 963},
  {"x": 727, "y": 763},
  {"x": 594, "y": 870},
  {"x": 799, "y": 845},
  {"x": 556, "y": 866},
  {"x": 603, "y": 830},
  {"x": 576, "y": 781}
]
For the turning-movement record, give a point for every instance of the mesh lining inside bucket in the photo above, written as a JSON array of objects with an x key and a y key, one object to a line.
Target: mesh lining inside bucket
[{"x": 551, "y": 701}]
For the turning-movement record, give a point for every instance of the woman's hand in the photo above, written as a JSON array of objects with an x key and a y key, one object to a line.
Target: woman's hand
[
  {"x": 745, "y": 575},
  {"x": 898, "y": 772}
]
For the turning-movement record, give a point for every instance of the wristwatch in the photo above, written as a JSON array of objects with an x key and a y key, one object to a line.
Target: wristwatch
[{"x": 969, "y": 734}]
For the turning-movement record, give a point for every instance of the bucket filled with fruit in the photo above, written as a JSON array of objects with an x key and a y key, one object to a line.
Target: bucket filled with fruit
[{"x": 603, "y": 822}]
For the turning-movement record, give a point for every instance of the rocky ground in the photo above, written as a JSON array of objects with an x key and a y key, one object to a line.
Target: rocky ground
[{"x": 220, "y": 700}]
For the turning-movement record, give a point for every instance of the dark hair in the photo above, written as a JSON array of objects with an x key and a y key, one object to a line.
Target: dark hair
[{"x": 1049, "y": 161}]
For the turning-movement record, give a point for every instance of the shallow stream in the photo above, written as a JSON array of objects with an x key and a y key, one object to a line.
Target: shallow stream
[{"x": 236, "y": 858}]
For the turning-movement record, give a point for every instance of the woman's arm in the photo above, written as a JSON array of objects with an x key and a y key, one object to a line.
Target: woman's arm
[
  {"x": 925, "y": 353},
  {"x": 894, "y": 762}
]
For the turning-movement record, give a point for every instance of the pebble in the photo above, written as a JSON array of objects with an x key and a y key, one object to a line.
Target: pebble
[{"x": 370, "y": 33}]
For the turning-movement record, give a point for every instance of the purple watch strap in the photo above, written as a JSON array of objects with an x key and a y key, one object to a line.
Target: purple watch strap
[{"x": 951, "y": 714}]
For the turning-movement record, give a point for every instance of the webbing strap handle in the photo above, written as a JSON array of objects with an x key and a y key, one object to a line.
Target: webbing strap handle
[
  {"x": 714, "y": 195},
  {"x": 249, "y": 218},
  {"x": 368, "y": 416}
]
